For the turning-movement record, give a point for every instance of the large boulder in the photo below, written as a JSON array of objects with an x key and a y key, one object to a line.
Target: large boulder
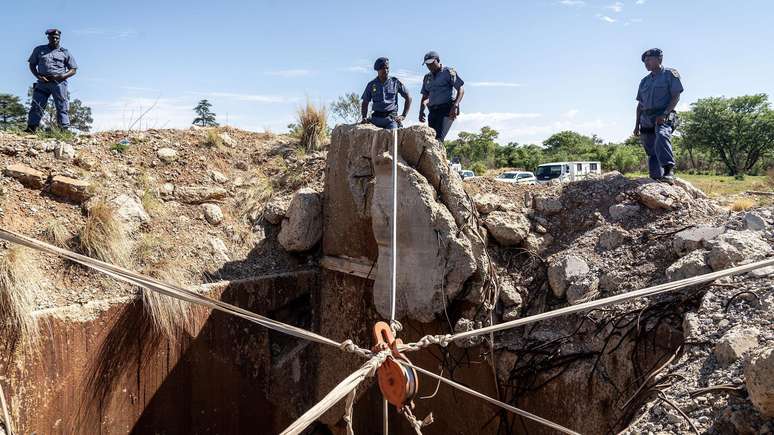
[
  {"x": 734, "y": 343},
  {"x": 661, "y": 196},
  {"x": 691, "y": 265},
  {"x": 130, "y": 210},
  {"x": 759, "y": 379},
  {"x": 70, "y": 189},
  {"x": 736, "y": 247},
  {"x": 302, "y": 227},
  {"x": 694, "y": 238},
  {"x": 508, "y": 228},
  {"x": 755, "y": 222},
  {"x": 25, "y": 175},
  {"x": 487, "y": 202},
  {"x": 566, "y": 270}
]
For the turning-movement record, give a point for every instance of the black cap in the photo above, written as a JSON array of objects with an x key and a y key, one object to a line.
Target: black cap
[
  {"x": 655, "y": 52},
  {"x": 53, "y": 32},
  {"x": 431, "y": 56},
  {"x": 380, "y": 63}
]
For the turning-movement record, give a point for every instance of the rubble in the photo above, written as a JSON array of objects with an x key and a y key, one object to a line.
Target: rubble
[
  {"x": 734, "y": 247},
  {"x": 693, "y": 264},
  {"x": 508, "y": 228},
  {"x": 566, "y": 270}
]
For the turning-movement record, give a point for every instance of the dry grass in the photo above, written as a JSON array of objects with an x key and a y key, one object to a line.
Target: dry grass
[
  {"x": 742, "y": 204},
  {"x": 253, "y": 195},
  {"x": 19, "y": 277},
  {"x": 57, "y": 234},
  {"x": 212, "y": 139},
  {"x": 312, "y": 122},
  {"x": 103, "y": 236},
  {"x": 169, "y": 316}
]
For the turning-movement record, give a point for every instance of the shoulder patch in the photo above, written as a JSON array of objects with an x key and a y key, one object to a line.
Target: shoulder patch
[
  {"x": 453, "y": 72},
  {"x": 674, "y": 73}
]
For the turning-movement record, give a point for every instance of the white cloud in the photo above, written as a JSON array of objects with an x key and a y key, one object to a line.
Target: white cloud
[
  {"x": 495, "y": 84},
  {"x": 358, "y": 69},
  {"x": 606, "y": 19},
  {"x": 290, "y": 73},
  {"x": 571, "y": 114},
  {"x": 640, "y": 2},
  {"x": 495, "y": 116},
  {"x": 615, "y": 7},
  {"x": 573, "y": 2},
  {"x": 107, "y": 34},
  {"x": 409, "y": 77},
  {"x": 255, "y": 98}
]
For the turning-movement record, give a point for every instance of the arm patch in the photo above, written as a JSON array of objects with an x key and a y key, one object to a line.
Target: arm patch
[{"x": 674, "y": 73}]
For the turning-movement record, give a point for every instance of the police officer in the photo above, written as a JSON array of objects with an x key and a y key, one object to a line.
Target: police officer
[
  {"x": 383, "y": 91},
  {"x": 657, "y": 98},
  {"x": 52, "y": 65},
  {"x": 438, "y": 95}
]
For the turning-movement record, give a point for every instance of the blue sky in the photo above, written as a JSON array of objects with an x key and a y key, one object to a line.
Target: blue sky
[{"x": 531, "y": 68}]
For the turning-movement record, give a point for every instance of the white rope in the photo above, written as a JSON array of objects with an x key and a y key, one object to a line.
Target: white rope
[
  {"x": 6, "y": 415},
  {"x": 503, "y": 405},
  {"x": 344, "y": 388},
  {"x": 444, "y": 340},
  {"x": 179, "y": 292},
  {"x": 394, "y": 223}
]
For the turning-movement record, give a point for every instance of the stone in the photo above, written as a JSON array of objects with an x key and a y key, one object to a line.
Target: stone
[
  {"x": 736, "y": 247},
  {"x": 199, "y": 194},
  {"x": 213, "y": 213},
  {"x": 85, "y": 162},
  {"x": 693, "y": 264},
  {"x": 734, "y": 343},
  {"x": 691, "y": 326},
  {"x": 487, "y": 202},
  {"x": 465, "y": 325},
  {"x": 506, "y": 361},
  {"x": 64, "y": 151},
  {"x": 694, "y": 238},
  {"x": 537, "y": 244},
  {"x": 511, "y": 313},
  {"x": 507, "y": 228},
  {"x": 219, "y": 250},
  {"x": 612, "y": 238},
  {"x": 759, "y": 379},
  {"x": 130, "y": 210},
  {"x": 166, "y": 155},
  {"x": 227, "y": 140},
  {"x": 689, "y": 188},
  {"x": 167, "y": 190},
  {"x": 583, "y": 290},
  {"x": 28, "y": 177},
  {"x": 755, "y": 222},
  {"x": 77, "y": 191},
  {"x": 563, "y": 271},
  {"x": 661, "y": 196},
  {"x": 217, "y": 177},
  {"x": 762, "y": 272},
  {"x": 622, "y": 212},
  {"x": 547, "y": 205},
  {"x": 302, "y": 228},
  {"x": 276, "y": 209},
  {"x": 509, "y": 293}
]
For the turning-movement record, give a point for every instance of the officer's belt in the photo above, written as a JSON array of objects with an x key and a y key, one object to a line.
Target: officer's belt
[
  {"x": 652, "y": 112},
  {"x": 383, "y": 114}
]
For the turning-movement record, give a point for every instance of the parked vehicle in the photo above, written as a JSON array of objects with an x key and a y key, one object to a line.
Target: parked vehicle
[
  {"x": 517, "y": 177},
  {"x": 567, "y": 171},
  {"x": 465, "y": 174}
]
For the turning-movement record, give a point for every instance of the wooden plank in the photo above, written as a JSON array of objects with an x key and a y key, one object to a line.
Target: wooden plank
[{"x": 361, "y": 267}]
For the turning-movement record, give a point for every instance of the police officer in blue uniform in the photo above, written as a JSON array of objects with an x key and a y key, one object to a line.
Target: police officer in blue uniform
[
  {"x": 52, "y": 65},
  {"x": 383, "y": 91},
  {"x": 438, "y": 94},
  {"x": 657, "y": 98}
]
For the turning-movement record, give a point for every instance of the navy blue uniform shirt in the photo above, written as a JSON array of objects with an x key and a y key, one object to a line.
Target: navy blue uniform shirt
[{"x": 384, "y": 95}]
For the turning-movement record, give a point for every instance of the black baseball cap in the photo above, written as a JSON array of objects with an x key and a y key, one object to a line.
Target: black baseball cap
[
  {"x": 53, "y": 32},
  {"x": 655, "y": 52},
  {"x": 431, "y": 56}
]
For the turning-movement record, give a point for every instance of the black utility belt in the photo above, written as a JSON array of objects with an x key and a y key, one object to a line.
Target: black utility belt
[
  {"x": 441, "y": 107},
  {"x": 384, "y": 114}
]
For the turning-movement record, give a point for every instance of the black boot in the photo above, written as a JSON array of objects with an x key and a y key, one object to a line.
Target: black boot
[
  {"x": 669, "y": 175},
  {"x": 31, "y": 129}
]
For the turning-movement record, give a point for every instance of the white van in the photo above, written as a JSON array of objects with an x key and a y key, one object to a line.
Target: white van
[{"x": 567, "y": 171}]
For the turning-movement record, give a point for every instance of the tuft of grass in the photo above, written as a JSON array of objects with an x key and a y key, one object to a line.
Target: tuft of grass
[
  {"x": 170, "y": 316},
  {"x": 55, "y": 133},
  {"x": 119, "y": 147},
  {"x": 103, "y": 236},
  {"x": 742, "y": 204},
  {"x": 19, "y": 277},
  {"x": 149, "y": 198},
  {"x": 311, "y": 125},
  {"x": 212, "y": 138},
  {"x": 253, "y": 196},
  {"x": 57, "y": 233}
]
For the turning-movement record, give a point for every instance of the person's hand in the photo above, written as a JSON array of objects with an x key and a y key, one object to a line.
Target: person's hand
[
  {"x": 364, "y": 121},
  {"x": 59, "y": 77},
  {"x": 636, "y": 132},
  {"x": 399, "y": 118},
  {"x": 42, "y": 78},
  {"x": 660, "y": 120},
  {"x": 455, "y": 110},
  {"x": 422, "y": 117}
]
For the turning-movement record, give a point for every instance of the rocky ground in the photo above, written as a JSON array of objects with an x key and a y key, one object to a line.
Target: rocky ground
[{"x": 192, "y": 200}]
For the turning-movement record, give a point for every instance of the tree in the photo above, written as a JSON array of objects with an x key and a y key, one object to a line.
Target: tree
[
  {"x": 12, "y": 112},
  {"x": 474, "y": 147},
  {"x": 570, "y": 142},
  {"x": 347, "y": 108},
  {"x": 79, "y": 114},
  {"x": 204, "y": 118},
  {"x": 524, "y": 157},
  {"x": 739, "y": 130}
]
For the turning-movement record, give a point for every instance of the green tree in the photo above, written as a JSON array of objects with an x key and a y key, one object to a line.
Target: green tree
[
  {"x": 12, "y": 112},
  {"x": 474, "y": 147},
  {"x": 570, "y": 142},
  {"x": 347, "y": 108},
  {"x": 524, "y": 157},
  {"x": 204, "y": 117},
  {"x": 738, "y": 130}
]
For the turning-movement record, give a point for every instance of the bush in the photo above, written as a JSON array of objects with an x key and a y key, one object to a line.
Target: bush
[
  {"x": 479, "y": 168},
  {"x": 311, "y": 126},
  {"x": 212, "y": 138},
  {"x": 18, "y": 287},
  {"x": 103, "y": 236}
]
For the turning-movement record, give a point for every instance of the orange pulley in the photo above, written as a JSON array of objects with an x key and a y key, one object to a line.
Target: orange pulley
[{"x": 398, "y": 382}]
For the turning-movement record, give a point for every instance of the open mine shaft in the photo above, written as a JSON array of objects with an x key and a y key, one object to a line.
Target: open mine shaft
[{"x": 608, "y": 305}]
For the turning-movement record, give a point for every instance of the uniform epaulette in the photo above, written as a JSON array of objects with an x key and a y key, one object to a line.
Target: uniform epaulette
[
  {"x": 453, "y": 73},
  {"x": 674, "y": 73}
]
